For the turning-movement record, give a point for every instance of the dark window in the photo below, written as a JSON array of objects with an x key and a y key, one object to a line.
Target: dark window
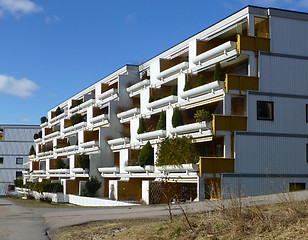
[
  {"x": 297, "y": 186},
  {"x": 307, "y": 153},
  {"x": 19, "y": 160},
  {"x": 11, "y": 187},
  {"x": 19, "y": 174},
  {"x": 1, "y": 160},
  {"x": 306, "y": 113},
  {"x": 265, "y": 110}
]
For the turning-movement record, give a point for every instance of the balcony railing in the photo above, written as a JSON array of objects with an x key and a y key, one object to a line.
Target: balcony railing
[
  {"x": 90, "y": 144},
  {"x": 191, "y": 128},
  {"x": 229, "y": 123},
  {"x": 79, "y": 171},
  {"x": 132, "y": 90},
  {"x": 128, "y": 113},
  {"x": 241, "y": 83},
  {"x": 75, "y": 127},
  {"x": 151, "y": 135},
  {"x": 59, "y": 171},
  {"x": 82, "y": 106},
  {"x": 139, "y": 169},
  {"x": 66, "y": 150},
  {"x": 216, "y": 165},
  {"x": 57, "y": 118},
  {"x": 118, "y": 142},
  {"x": 227, "y": 50},
  {"x": 173, "y": 70},
  {"x": 100, "y": 120},
  {"x": 207, "y": 88},
  {"x": 109, "y": 170},
  {"x": 45, "y": 154},
  {"x": 52, "y": 135},
  {"x": 191, "y": 167},
  {"x": 162, "y": 102},
  {"x": 45, "y": 124},
  {"x": 108, "y": 95},
  {"x": 39, "y": 172}
]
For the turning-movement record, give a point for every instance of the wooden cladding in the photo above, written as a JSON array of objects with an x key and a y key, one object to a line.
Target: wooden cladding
[
  {"x": 216, "y": 165},
  {"x": 229, "y": 123},
  {"x": 241, "y": 83},
  {"x": 250, "y": 43}
]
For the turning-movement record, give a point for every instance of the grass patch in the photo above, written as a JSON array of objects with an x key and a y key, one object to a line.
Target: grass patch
[
  {"x": 278, "y": 221},
  {"x": 39, "y": 204}
]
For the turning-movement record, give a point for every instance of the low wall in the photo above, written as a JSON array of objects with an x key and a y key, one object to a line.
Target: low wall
[
  {"x": 96, "y": 202},
  {"x": 55, "y": 197}
]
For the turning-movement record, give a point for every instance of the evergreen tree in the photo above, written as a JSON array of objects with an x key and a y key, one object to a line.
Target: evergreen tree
[
  {"x": 177, "y": 118},
  {"x": 161, "y": 125},
  {"x": 146, "y": 155},
  {"x": 141, "y": 128},
  {"x": 218, "y": 75}
]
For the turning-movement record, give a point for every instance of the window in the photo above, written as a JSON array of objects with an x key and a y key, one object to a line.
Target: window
[
  {"x": 1, "y": 160},
  {"x": 11, "y": 187},
  {"x": 19, "y": 160},
  {"x": 307, "y": 153},
  {"x": 1, "y": 134},
  {"x": 19, "y": 174},
  {"x": 306, "y": 113},
  {"x": 265, "y": 110},
  {"x": 297, "y": 186}
]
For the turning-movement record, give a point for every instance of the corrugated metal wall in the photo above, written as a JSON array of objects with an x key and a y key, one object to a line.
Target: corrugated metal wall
[
  {"x": 289, "y": 115},
  {"x": 289, "y": 36},
  {"x": 251, "y": 186},
  {"x": 282, "y": 74},
  {"x": 270, "y": 155},
  {"x": 19, "y": 133}
]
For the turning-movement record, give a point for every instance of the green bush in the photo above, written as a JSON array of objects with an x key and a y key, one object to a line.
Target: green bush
[
  {"x": 173, "y": 90},
  {"x": 43, "y": 119},
  {"x": 58, "y": 111},
  {"x": 146, "y": 155},
  {"x": 75, "y": 103},
  {"x": 37, "y": 135},
  {"x": 161, "y": 124},
  {"x": 218, "y": 75},
  {"x": 18, "y": 182},
  {"x": 32, "y": 151},
  {"x": 45, "y": 186},
  {"x": 177, "y": 118},
  {"x": 76, "y": 118},
  {"x": 176, "y": 151},
  {"x": 141, "y": 128},
  {"x": 187, "y": 85},
  {"x": 83, "y": 161},
  {"x": 91, "y": 187},
  {"x": 203, "y": 115},
  {"x": 61, "y": 164},
  {"x": 201, "y": 80}
]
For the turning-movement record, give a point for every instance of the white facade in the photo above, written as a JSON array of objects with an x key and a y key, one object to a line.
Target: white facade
[
  {"x": 259, "y": 107},
  {"x": 15, "y": 144}
]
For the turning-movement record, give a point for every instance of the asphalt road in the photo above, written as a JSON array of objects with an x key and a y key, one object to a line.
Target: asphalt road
[{"x": 17, "y": 222}]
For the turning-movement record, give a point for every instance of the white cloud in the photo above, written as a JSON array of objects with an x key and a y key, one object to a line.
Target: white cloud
[
  {"x": 51, "y": 19},
  {"x": 22, "y": 88},
  {"x": 18, "y": 7},
  {"x": 130, "y": 18},
  {"x": 24, "y": 120}
]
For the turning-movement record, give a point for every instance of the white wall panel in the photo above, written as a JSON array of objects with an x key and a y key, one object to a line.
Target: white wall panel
[
  {"x": 289, "y": 36},
  {"x": 270, "y": 155},
  {"x": 19, "y": 133},
  {"x": 282, "y": 74}
]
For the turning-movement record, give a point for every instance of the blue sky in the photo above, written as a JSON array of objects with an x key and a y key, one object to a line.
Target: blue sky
[{"x": 50, "y": 50}]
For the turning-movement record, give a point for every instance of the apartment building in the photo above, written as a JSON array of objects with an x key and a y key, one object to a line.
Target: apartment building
[
  {"x": 15, "y": 144},
  {"x": 257, "y": 142}
]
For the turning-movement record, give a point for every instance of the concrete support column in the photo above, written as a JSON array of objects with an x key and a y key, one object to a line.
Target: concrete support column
[
  {"x": 201, "y": 188},
  {"x": 227, "y": 104},
  {"x": 227, "y": 145},
  {"x": 146, "y": 191},
  {"x": 63, "y": 181}
]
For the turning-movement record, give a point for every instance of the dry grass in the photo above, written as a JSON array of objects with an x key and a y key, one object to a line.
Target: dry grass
[
  {"x": 39, "y": 204},
  {"x": 280, "y": 221}
]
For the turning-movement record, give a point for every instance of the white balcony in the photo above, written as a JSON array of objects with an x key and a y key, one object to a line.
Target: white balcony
[
  {"x": 109, "y": 170},
  {"x": 45, "y": 154},
  {"x": 127, "y": 114},
  {"x": 190, "y": 128},
  {"x": 108, "y": 95},
  {"x": 59, "y": 171},
  {"x": 52, "y": 135},
  {"x": 67, "y": 150},
  {"x": 79, "y": 171},
  {"x": 163, "y": 102},
  {"x": 82, "y": 106},
  {"x": 57, "y": 118},
  {"x": 139, "y": 169},
  {"x": 118, "y": 143},
  {"x": 101, "y": 119},
  {"x": 227, "y": 49},
  {"x": 91, "y": 144},
  {"x": 45, "y": 124},
  {"x": 39, "y": 172},
  {"x": 75, "y": 127},
  {"x": 151, "y": 135},
  {"x": 173, "y": 70},
  {"x": 133, "y": 90},
  {"x": 179, "y": 168},
  {"x": 38, "y": 140},
  {"x": 207, "y": 88}
]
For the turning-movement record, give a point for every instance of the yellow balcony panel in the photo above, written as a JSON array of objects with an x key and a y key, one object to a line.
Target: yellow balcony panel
[
  {"x": 241, "y": 83},
  {"x": 215, "y": 165},
  {"x": 229, "y": 123},
  {"x": 250, "y": 43}
]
